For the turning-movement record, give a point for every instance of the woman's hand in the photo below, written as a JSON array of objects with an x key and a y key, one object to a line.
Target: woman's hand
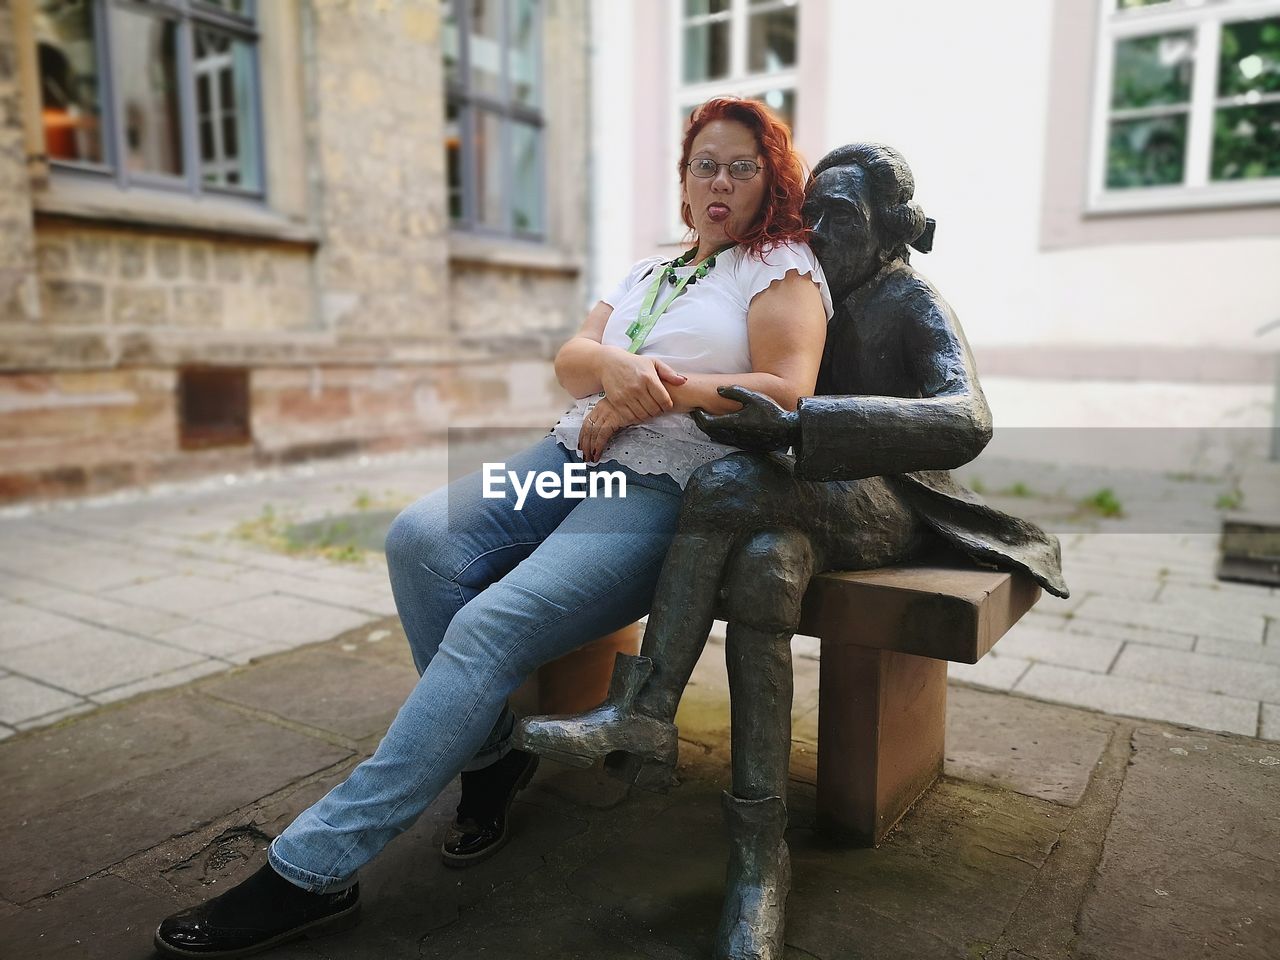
[
  {"x": 601, "y": 423},
  {"x": 636, "y": 385}
]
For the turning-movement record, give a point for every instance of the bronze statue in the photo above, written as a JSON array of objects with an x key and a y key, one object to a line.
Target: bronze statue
[{"x": 898, "y": 406}]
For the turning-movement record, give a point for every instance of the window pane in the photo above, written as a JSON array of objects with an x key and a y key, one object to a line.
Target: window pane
[
  {"x": 1153, "y": 70},
  {"x": 488, "y": 172},
  {"x": 145, "y": 68},
  {"x": 1147, "y": 152},
  {"x": 698, "y": 8},
  {"x": 782, "y": 103},
  {"x": 1246, "y": 142},
  {"x": 526, "y": 178},
  {"x": 706, "y": 52},
  {"x": 454, "y": 119},
  {"x": 771, "y": 41},
  {"x": 225, "y": 100},
  {"x": 1250, "y": 58},
  {"x": 485, "y": 47},
  {"x": 449, "y": 43},
  {"x": 523, "y": 52},
  {"x": 68, "y": 62}
]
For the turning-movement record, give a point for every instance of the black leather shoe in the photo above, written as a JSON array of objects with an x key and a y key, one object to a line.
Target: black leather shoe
[
  {"x": 264, "y": 911},
  {"x": 480, "y": 828}
]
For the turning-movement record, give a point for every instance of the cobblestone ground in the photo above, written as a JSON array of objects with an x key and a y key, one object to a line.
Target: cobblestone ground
[{"x": 101, "y": 600}]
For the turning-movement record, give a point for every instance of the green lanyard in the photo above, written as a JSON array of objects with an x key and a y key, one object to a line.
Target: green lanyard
[{"x": 648, "y": 317}]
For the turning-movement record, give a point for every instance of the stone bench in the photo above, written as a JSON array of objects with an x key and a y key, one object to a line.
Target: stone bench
[{"x": 887, "y": 636}]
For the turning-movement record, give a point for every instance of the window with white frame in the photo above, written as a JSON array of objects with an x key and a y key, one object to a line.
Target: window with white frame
[
  {"x": 161, "y": 93},
  {"x": 745, "y": 48},
  {"x": 1188, "y": 111},
  {"x": 493, "y": 116}
]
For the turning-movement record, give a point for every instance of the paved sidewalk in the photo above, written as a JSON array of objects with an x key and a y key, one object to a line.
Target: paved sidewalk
[
  {"x": 1056, "y": 834},
  {"x": 99, "y": 602}
]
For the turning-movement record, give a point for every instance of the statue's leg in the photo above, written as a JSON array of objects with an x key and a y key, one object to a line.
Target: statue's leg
[
  {"x": 766, "y": 581},
  {"x": 635, "y": 724}
]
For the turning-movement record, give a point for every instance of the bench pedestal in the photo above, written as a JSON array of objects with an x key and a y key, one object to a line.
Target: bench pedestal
[
  {"x": 881, "y": 718},
  {"x": 887, "y": 636}
]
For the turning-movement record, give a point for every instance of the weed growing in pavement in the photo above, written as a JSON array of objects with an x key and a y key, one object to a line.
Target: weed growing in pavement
[
  {"x": 275, "y": 532},
  {"x": 1231, "y": 500},
  {"x": 1104, "y": 502},
  {"x": 1019, "y": 489}
]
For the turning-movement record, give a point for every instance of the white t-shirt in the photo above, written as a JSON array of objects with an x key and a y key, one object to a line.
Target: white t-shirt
[{"x": 703, "y": 331}]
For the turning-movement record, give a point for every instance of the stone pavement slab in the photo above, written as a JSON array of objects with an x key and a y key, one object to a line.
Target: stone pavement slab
[
  {"x": 1190, "y": 799},
  {"x": 145, "y": 807},
  {"x": 1032, "y": 748},
  {"x": 1139, "y": 698},
  {"x": 94, "y": 659},
  {"x": 79, "y": 798}
]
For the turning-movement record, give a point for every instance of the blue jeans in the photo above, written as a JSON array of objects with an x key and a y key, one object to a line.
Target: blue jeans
[{"x": 486, "y": 593}]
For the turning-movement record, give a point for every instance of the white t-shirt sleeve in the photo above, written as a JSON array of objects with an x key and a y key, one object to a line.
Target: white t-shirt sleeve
[
  {"x": 756, "y": 274},
  {"x": 634, "y": 276}
]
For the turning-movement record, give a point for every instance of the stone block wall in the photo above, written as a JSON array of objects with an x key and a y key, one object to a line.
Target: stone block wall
[{"x": 370, "y": 333}]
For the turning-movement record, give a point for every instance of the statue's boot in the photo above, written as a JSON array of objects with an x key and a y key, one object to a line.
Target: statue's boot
[
  {"x": 618, "y": 724},
  {"x": 752, "y": 922},
  {"x": 634, "y": 729}
]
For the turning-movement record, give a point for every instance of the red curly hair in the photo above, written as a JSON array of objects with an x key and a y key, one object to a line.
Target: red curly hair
[{"x": 780, "y": 219}]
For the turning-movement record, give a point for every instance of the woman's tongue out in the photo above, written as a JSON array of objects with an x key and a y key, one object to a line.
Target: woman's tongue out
[{"x": 718, "y": 213}]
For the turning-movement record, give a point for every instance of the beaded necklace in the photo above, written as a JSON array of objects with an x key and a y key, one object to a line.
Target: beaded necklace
[{"x": 648, "y": 316}]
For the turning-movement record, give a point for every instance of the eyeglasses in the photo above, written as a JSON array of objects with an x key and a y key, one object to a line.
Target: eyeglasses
[{"x": 704, "y": 168}]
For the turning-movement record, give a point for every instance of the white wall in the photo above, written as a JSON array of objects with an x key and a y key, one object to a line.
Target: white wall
[{"x": 963, "y": 91}]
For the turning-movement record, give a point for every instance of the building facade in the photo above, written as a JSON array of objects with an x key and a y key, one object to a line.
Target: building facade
[
  {"x": 1105, "y": 175},
  {"x": 239, "y": 233}
]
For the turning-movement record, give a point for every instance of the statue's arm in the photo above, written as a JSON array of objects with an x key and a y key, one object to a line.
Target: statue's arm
[{"x": 945, "y": 426}]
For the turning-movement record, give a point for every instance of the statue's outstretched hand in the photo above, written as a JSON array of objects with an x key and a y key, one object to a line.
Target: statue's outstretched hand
[{"x": 761, "y": 424}]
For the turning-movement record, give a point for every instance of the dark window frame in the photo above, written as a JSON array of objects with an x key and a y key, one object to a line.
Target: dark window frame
[
  {"x": 468, "y": 102},
  {"x": 188, "y": 15}
]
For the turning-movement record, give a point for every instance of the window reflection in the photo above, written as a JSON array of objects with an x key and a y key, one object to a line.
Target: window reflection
[
  {"x": 145, "y": 64},
  {"x": 225, "y": 122},
  {"x": 67, "y": 58}
]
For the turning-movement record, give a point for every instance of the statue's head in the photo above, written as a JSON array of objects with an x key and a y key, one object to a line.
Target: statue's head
[{"x": 859, "y": 207}]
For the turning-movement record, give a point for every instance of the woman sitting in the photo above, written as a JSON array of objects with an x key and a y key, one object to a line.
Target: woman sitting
[{"x": 487, "y": 592}]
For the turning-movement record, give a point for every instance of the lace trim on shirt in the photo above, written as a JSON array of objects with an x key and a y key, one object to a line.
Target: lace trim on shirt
[{"x": 676, "y": 451}]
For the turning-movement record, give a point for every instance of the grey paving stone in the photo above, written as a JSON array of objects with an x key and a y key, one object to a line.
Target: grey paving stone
[
  {"x": 21, "y": 699},
  {"x": 1034, "y": 748},
  {"x": 205, "y": 638},
  {"x": 1192, "y": 855},
  {"x": 185, "y": 595},
  {"x": 90, "y": 573},
  {"x": 1116, "y": 631},
  {"x": 347, "y": 695},
  {"x": 1056, "y": 646},
  {"x": 94, "y": 659},
  {"x": 123, "y": 780},
  {"x": 1256, "y": 652},
  {"x": 99, "y": 610},
  {"x": 1138, "y": 698},
  {"x": 105, "y": 918},
  {"x": 336, "y": 593},
  {"x": 6, "y": 731},
  {"x": 1199, "y": 619},
  {"x": 1198, "y": 671},
  {"x": 283, "y": 619},
  {"x": 1269, "y": 727},
  {"x": 14, "y": 587},
  {"x": 1126, "y": 587},
  {"x": 161, "y": 681},
  {"x": 1260, "y": 600},
  {"x": 994, "y": 671},
  {"x": 22, "y": 625},
  {"x": 47, "y": 719}
]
